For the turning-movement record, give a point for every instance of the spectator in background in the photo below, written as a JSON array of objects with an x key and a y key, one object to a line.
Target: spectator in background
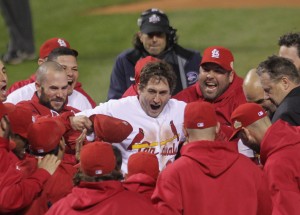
[
  {"x": 289, "y": 47},
  {"x": 142, "y": 173},
  {"x": 218, "y": 84},
  {"x": 210, "y": 177},
  {"x": 17, "y": 16},
  {"x": 97, "y": 189},
  {"x": 279, "y": 146},
  {"x": 280, "y": 80},
  {"x": 156, "y": 38},
  {"x": 255, "y": 93}
]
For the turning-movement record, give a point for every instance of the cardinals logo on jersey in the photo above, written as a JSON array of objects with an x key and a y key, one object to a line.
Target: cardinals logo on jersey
[
  {"x": 137, "y": 139},
  {"x": 174, "y": 130}
]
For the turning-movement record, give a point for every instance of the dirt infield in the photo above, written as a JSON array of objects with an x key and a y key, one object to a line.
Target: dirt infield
[{"x": 169, "y": 5}]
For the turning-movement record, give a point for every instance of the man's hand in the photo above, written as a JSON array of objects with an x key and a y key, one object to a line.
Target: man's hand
[
  {"x": 81, "y": 122},
  {"x": 4, "y": 127},
  {"x": 79, "y": 142},
  {"x": 61, "y": 148},
  {"x": 49, "y": 163}
]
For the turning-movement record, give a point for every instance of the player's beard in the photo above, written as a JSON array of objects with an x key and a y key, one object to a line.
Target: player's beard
[{"x": 46, "y": 102}]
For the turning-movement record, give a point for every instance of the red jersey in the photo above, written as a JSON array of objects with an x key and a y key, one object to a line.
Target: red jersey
[
  {"x": 211, "y": 177},
  {"x": 102, "y": 198},
  {"x": 224, "y": 105},
  {"x": 280, "y": 154},
  {"x": 140, "y": 183}
]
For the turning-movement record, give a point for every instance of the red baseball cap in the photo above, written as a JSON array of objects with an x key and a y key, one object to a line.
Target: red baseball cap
[
  {"x": 219, "y": 55},
  {"x": 44, "y": 134},
  {"x": 6, "y": 108},
  {"x": 20, "y": 119},
  {"x": 97, "y": 158},
  {"x": 51, "y": 44},
  {"x": 245, "y": 115},
  {"x": 199, "y": 115},
  {"x": 140, "y": 65},
  {"x": 143, "y": 162},
  {"x": 111, "y": 129}
]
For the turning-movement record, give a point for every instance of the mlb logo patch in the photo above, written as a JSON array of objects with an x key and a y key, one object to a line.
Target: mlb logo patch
[
  {"x": 98, "y": 172},
  {"x": 200, "y": 124}
]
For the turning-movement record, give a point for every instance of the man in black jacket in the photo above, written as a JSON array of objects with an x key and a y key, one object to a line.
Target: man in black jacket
[
  {"x": 156, "y": 38},
  {"x": 280, "y": 80}
]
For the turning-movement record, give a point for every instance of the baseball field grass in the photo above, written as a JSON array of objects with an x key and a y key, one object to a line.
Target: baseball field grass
[{"x": 251, "y": 34}]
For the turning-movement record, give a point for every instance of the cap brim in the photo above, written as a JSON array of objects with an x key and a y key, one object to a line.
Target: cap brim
[
  {"x": 151, "y": 29},
  {"x": 216, "y": 62}
]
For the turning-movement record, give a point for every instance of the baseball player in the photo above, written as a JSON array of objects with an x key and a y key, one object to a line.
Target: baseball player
[
  {"x": 155, "y": 117},
  {"x": 210, "y": 177},
  {"x": 67, "y": 57}
]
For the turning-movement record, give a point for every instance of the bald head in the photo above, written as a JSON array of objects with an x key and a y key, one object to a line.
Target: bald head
[
  {"x": 47, "y": 67},
  {"x": 254, "y": 92},
  {"x": 252, "y": 87}
]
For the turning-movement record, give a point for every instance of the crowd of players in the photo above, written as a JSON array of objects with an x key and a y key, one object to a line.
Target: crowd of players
[{"x": 180, "y": 133}]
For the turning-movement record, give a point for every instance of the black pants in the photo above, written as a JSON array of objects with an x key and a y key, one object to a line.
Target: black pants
[{"x": 17, "y": 16}]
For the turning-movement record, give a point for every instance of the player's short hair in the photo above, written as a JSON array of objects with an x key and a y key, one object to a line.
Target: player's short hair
[
  {"x": 158, "y": 70},
  {"x": 277, "y": 67},
  {"x": 45, "y": 67},
  {"x": 61, "y": 51},
  {"x": 289, "y": 40}
]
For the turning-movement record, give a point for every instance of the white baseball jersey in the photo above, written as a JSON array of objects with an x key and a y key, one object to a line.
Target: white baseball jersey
[
  {"x": 160, "y": 135},
  {"x": 76, "y": 99}
]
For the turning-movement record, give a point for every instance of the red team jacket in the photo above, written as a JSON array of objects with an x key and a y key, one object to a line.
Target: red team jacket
[
  {"x": 280, "y": 154},
  {"x": 140, "y": 183},
  {"x": 56, "y": 187},
  {"x": 7, "y": 157},
  {"x": 102, "y": 198},
  {"x": 224, "y": 104},
  {"x": 18, "y": 191},
  {"x": 211, "y": 177},
  {"x": 41, "y": 110}
]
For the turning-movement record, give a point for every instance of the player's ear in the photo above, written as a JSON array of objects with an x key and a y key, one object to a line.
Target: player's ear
[
  {"x": 218, "y": 128},
  {"x": 231, "y": 76}
]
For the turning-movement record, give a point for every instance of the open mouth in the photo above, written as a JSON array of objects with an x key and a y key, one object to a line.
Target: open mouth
[
  {"x": 70, "y": 82},
  {"x": 3, "y": 89},
  {"x": 155, "y": 107},
  {"x": 210, "y": 85}
]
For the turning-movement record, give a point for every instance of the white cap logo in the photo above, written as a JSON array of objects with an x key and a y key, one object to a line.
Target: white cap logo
[
  {"x": 154, "y": 19},
  {"x": 98, "y": 172},
  {"x": 260, "y": 113},
  {"x": 40, "y": 151},
  {"x": 61, "y": 42},
  {"x": 200, "y": 124},
  {"x": 215, "y": 53}
]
